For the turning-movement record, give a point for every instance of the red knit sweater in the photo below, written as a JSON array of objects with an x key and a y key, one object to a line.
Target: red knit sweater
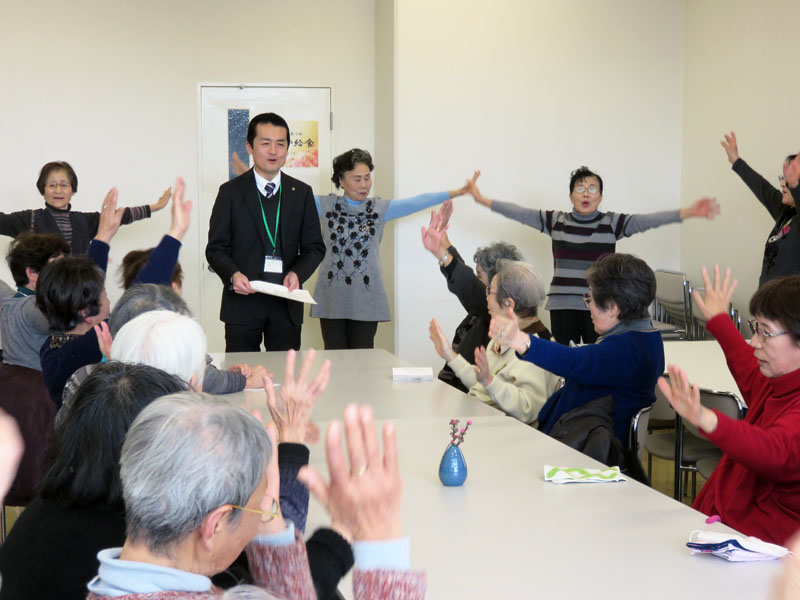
[{"x": 756, "y": 486}]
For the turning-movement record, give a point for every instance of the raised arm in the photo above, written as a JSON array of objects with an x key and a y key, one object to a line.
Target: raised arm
[
  {"x": 12, "y": 224},
  {"x": 162, "y": 261},
  {"x": 764, "y": 191},
  {"x": 406, "y": 206}
]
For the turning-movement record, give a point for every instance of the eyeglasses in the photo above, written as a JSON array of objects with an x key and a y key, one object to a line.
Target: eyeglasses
[
  {"x": 55, "y": 186},
  {"x": 489, "y": 291},
  {"x": 587, "y": 299},
  {"x": 756, "y": 329},
  {"x": 271, "y": 513},
  {"x": 592, "y": 189}
]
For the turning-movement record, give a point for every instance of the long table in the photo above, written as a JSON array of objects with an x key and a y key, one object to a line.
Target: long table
[
  {"x": 506, "y": 532},
  {"x": 364, "y": 376}
]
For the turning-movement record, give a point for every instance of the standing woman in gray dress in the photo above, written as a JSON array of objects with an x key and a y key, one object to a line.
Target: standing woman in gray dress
[{"x": 351, "y": 298}]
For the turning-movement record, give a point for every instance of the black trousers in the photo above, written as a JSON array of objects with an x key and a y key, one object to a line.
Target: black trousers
[
  {"x": 347, "y": 334},
  {"x": 572, "y": 325},
  {"x": 276, "y": 329}
]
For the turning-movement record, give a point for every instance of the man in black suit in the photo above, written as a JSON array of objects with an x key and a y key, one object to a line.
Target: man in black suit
[{"x": 265, "y": 226}]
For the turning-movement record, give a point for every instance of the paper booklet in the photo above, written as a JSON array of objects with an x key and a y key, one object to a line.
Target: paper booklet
[{"x": 281, "y": 291}]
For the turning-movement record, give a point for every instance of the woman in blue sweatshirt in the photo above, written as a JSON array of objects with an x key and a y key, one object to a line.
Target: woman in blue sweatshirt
[{"x": 627, "y": 358}]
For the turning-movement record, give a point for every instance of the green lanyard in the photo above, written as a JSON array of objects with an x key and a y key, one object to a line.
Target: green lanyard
[{"x": 277, "y": 217}]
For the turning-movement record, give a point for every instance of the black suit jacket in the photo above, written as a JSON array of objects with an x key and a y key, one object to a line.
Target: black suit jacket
[{"x": 237, "y": 241}]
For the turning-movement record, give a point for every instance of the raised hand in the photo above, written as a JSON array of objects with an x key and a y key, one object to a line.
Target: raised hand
[
  {"x": 445, "y": 212},
  {"x": 273, "y": 521},
  {"x": 706, "y": 208},
  {"x": 482, "y": 371},
  {"x": 291, "y": 408},
  {"x": 104, "y": 338},
  {"x": 181, "y": 211},
  {"x": 465, "y": 189},
  {"x": 110, "y": 217},
  {"x": 364, "y": 497},
  {"x": 432, "y": 236},
  {"x": 238, "y": 166},
  {"x": 11, "y": 448},
  {"x": 717, "y": 295},
  {"x": 791, "y": 170},
  {"x": 685, "y": 399},
  {"x": 476, "y": 193},
  {"x": 504, "y": 329},
  {"x": 162, "y": 201},
  {"x": 731, "y": 148},
  {"x": 443, "y": 347}
]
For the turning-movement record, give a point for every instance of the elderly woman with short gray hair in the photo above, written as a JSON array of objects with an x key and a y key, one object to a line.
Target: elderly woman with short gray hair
[
  {"x": 498, "y": 377},
  {"x": 200, "y": 482}
]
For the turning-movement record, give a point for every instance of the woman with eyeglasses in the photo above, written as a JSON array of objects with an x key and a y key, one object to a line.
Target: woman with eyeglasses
[
  {"x": 782, "y": 248},
  {"x": 755, "y": 488},
  {"x": 57, "y": 183},
  {"x": 580, "y": 237},
  {"x": 627, "y": 359},
  {"x": 497, "y": 377}
]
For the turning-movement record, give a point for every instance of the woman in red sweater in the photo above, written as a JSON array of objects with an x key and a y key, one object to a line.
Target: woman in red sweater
[{"x": 756, "y": 486}]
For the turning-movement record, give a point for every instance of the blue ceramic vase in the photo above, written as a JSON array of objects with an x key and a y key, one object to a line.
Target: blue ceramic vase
[{"x": 453, "y": 468}]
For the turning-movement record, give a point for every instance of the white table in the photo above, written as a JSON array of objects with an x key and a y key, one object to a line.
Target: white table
[
  {"x": 704, "y": 363},
  {"x": 507, "y": 534},
  {"x": 364, "y": 376}
]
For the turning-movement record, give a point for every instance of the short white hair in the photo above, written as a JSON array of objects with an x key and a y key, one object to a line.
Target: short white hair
[{"x": 165, "y": 340}]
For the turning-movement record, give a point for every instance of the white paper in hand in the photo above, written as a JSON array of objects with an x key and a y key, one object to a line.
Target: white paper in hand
[{"x": 281, "y": 291}]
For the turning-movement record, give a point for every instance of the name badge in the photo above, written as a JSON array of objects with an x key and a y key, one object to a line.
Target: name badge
[{"x": 273, "y": 264}]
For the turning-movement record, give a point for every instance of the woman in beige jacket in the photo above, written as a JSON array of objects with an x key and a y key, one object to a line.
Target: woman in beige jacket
[{"x": 499, "y": 378}]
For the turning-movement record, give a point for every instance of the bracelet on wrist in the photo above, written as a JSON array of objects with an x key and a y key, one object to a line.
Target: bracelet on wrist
[{"x": 444, "y": 259}]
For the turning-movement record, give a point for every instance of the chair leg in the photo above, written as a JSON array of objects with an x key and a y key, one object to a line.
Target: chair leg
[{"x": 694, "y": 485}]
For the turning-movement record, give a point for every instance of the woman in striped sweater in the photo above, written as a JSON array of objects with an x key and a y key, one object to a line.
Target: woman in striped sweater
[{"x": 580, "y": 237}]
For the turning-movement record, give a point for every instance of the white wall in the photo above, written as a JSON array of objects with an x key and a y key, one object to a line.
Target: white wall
[
  {"x": 527, "y": 92},
  {"x": 111, "y": 87},
  {"x": 740, "y": 74}
]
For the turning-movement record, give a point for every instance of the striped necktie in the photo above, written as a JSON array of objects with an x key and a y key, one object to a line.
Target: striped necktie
[{"x": 270, "y": 189}]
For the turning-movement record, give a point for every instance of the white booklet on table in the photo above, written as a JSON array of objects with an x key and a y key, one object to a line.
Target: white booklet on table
[
  {"x": 275, "y": 289},
  {"x": 412, "y": 374}
]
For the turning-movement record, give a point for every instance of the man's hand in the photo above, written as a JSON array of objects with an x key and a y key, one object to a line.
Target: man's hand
[
  {"x": 291, "y": 408},
  {"x": 110, "y": 217},
  {"x": 731, "y": 148},
  {"x": 291, "y": 281},
  {"x": 241, "y": 284},
  {"x": 363, "y": 498},
  {"x": 181, "y": 211}
]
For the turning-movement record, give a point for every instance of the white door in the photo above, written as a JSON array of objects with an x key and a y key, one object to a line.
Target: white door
[{"x": 225, "y": 111}]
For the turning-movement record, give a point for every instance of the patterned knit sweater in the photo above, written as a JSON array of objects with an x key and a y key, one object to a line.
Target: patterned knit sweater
[{"x": 578, "y": 241}]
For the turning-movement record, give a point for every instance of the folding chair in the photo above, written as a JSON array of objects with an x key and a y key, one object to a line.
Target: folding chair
[{"x": 672, "y": 309}]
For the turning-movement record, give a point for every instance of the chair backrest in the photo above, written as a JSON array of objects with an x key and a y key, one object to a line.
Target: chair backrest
[
  {"x": 638, "y": 431},
  {"x": 662, "y": 410},
  {"x": 24, "y": 397},
  {"x": 727, "y": 403},
  {"x": 672, "y": 298}
]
